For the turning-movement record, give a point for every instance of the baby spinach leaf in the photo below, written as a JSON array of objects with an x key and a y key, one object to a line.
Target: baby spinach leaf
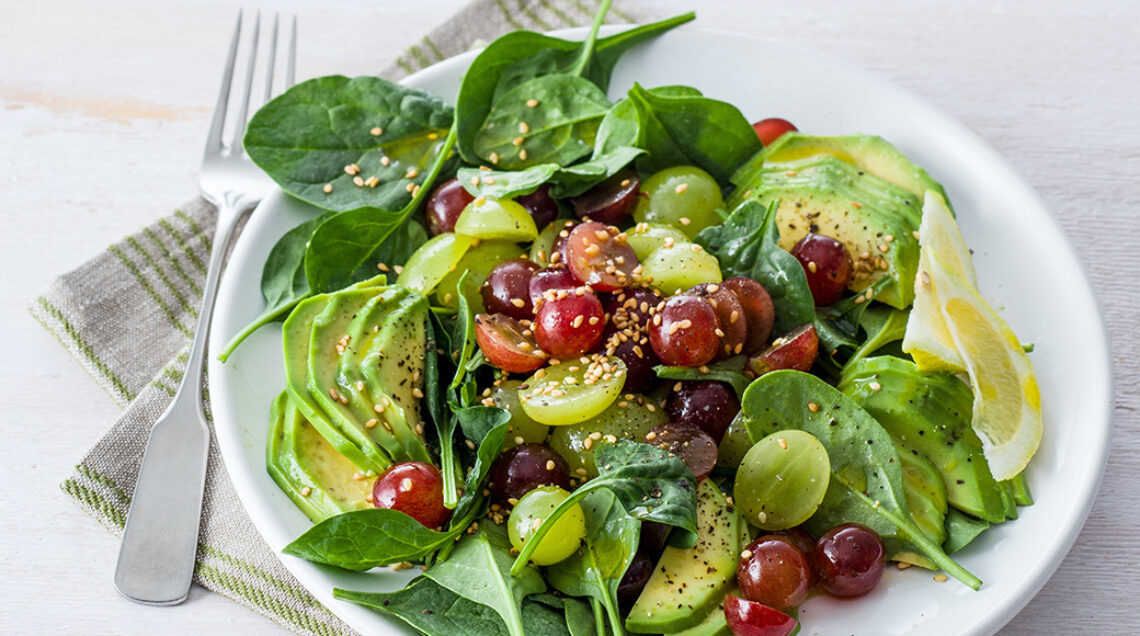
[
  {"x": 747, "y": 244},
  {"x": 580, "y": 619},
  {"x": 620, "y": 126},
  {"x": 961, "y": 530},
  {"x": 283, "y": 281},
  {"x": 730, "y": 371},
  {"x": 479, "y": 570},
  {"x": 650, "y": 483},
  {"x": 505, "y": 184},
  {"x": 490, "y": 446},
  {"x": 866, "y": 478},
  {"x": 598, "y": 566},
  {"x": 881, "y": 325},
  {"x": 305, "y": 137},
  {"x": 576, "y": 179},
  {"x": 559, "y": 129},
  {"x": 363, "y": 539},
  {"x": 690, "y": 130}
]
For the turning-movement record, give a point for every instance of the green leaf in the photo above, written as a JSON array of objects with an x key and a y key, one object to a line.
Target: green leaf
[
  {"x": 580, "y": 618},
  {"x": 506, "y": 184},
  {"x": 576, "y": 179},
  {"x": 305, "y": 137},
  {"x": 730, "y": 371},
  {"x": 620, "y": 127},
  {"x": 598, "y": 566},
  {"x": 866, "y": 478},
  {"x": 690, "y": 130},
  {"x": 490, "y": 447},
  {"x": 364, "y": 539},
  {"x": 283, "y": 281},
  {"x": 479, "y": 570},
  {"x": 747, "y": 244},
  {"x": 882, "y": 325},
  {"x": 961, "y": 530}
]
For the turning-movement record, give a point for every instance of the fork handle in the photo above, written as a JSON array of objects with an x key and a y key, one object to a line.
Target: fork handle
[{"x": 160, "y": 539}]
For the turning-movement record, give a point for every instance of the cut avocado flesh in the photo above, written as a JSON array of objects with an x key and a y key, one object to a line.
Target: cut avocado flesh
[
  {"x": 687, "y": 584},
  {"x": 931, "y": 414},
  {"x": 926, "y": 500},
  {"x": 873, "y": 218},
  {"x": 715, "y": 624},
  {"x": 318, "y": 478}
]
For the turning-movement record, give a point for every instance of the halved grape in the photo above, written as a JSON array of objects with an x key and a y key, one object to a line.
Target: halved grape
[
  {"x": 558, "y": 255},
  {"x": 772, "y": 128},
  {"x": 646, "y": 237},
  {"x": 522, "y": 429},
  {"x": 433, "y": 261},
  {"x": 506, "y": 343},
  {"x": 600, "y": 257},
  {"x": 782, "y": 480},
  {"x": 797, "y": 350},
  {"x": 627, "y": 334},
  {"x": 758, "y": 311},
  {"x": 564, "y": 536},
  {"x": 688, "y": 442},
  {"x": 729, "y": 317},
  {"x": 684, "y": 197},
  {"x": 683, "y": 331},
  {"x": 611, "y": 200},
  {"x": 542, "y": 207},
  {"x": 478, "y": 263},
  {"x": 677, "y": 268},
  {"x": 827, "y": 265},
  {"x": 551, "y": 279},
  {"x": 734, "y": 445},
  {"x": 507, "y": 289},
  {"x": 570, "y": 325},
  {"x": 573, "y": 391},
  {"x": 628, "y": 418},
  {"x": 496, "y": 219},
  {"x": 445, "y": 205}
]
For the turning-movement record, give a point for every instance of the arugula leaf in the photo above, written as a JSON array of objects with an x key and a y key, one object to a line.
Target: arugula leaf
[
  {"x": 730, "y": 371},
  {"x": 305, "y": 137},
  {"x": 866, "y": 477},
  {"x": 363, "y": 539},
  {"x": 650, "y": 483},
  {"x": 598, "y": 566},
  {"x": 691, "y": 130},
  {"x": 479, "y": 570},
  {"x": 283, "y": 282},
  {"x": 747, "y": 244}
]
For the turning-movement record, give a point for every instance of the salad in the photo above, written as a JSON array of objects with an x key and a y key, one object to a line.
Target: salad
[{"x": 636, "y": 366}]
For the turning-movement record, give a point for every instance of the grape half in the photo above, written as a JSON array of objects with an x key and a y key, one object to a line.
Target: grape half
[{"x": 573, "y": 391}]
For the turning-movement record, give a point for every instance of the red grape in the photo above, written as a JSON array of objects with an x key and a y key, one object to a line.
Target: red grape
[
  {"x": 507, "y": 289},
  {"x": 710, "y": 406},
  {"x": 683, "y": 331},
  {"x": 796, "y": 350},
  {"x": 526, "y": 467},
  {"x": 627, "y": 335},
  {"x": 558, "y": 255},
  {"x": 552, "y": 279},
  {"x": 445, "y": 205},
  {"x": 799, "y": 538},
  {"x": 415, "y": 489},
  {"x": 611, "y": 201},
  {"x": 600, "y": 257},
  {"x": 729, "y": 317},
  {"x": 771, "y": 129},
  {"x": 849, "y": 560},
  {"x": 569, "y": 325},
  {"x": 634, "y": 579},
  {"x": 507, "y": 344},
  {"x": 827, "y": 265},
  {"x": 654, "y": 536},
  {"x": 542, "y": 207},
  {"x": 688, "y": 442},
  {"x": 748, "y": 618},
  {"x": 774, "y": 572},
  {"x": 759, "y": 312}
]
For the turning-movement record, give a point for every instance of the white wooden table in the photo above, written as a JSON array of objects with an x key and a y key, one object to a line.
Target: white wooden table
[{"x": 103, "y": 110}]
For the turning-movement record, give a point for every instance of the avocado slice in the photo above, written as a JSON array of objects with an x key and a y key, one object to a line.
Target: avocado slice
[
  {"x": 351, "y": 442},
  {"x": 931, "y": 414},
  {"x": 383, "y": 363},
  {"x": 869, "y": 153},
  {"x": 319, "y": 480},
  {"x": 688, "y": 583},
  {"x": 876, "y": 220},
  {"x": 715, "y": 624},
  {"x": 926, "y": 500}
]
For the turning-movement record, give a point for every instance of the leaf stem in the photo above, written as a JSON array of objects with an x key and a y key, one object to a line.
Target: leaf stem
[
  {"x": 588, "y": 44},
  {"x": 532, "y": 543},
  {"x": 265, "y": 318}
]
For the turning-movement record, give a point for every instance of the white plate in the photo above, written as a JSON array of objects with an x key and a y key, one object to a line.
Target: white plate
[{"x": 1026, "y": 268}]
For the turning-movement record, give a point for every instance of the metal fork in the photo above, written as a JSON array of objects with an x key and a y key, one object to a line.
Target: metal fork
[{"x": 160, "y": 541}]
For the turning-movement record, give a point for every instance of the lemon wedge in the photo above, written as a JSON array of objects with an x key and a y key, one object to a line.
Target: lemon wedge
[{"x": 952, "y": 328}]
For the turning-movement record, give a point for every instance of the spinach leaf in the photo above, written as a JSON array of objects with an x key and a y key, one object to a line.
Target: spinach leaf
[
  {"x": 363, "y": 539},
  {"x": 961, "y": 530},
  {"x": 690, "y": 130},
  {"x": 305, "y": 137},
  {"x": 730, "y": 371},
  {"x": 882, "y": 325},
  {"x": 747, "y": 244},
  {"x": 576, "y": 179},
  {"x": 558, "y": 129},
  {"x": 283, "y": 282},
  {"x": 348, "y": 247},
  {"x": 866, "y": 478},
  {"x": 433, "y": 609},
  {"x": 479, "y": 570},
  {"x": 650, "y": 483},
  {"x": 505, "y": 184},
  {"x": 580, "y": 619},
  {"x": 620, "y": 127},
  {"x": 598, "y": 566},
  {"x": 490, "y": 446}
]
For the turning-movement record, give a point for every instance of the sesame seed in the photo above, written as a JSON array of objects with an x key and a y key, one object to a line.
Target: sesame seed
[
  {"x": 385, "y": 161},
  {"x": 306, "y": 491},
  {"x": 812, "y": 267},
  {"x": 418, "y": 393},
  {"x": 523, "y": 128},
  {"x": 479, "y": 201},
  {"x": 494, "y": 157},
  {"x": 518, "y": 141},
  {"x": 531, "y": 103},
  {"x": 940, "y": 578},
  {"x": 550, "y": 464},
  {"x": 475, "y": 181},
  {"x": 883, "y": 248},
  {"x": 358, "y": 476},
  {"x": 858, "y": 206},
  {"x": 519, "y": 440},
  {"x": 379, "y": 408},
  {"x": 470, "y": 444},
  {"x": 518, "y": 302},
  {"x": 782, "y": 443},
  {"x": 411, "y": 174},
  {"x": 377, "y": 131},
  {"x": 650, "y": 436},
  {"x": 763, "y": 517},
  {"x": 371, "y": 423},
  {"x": 813, "y": 407},
  {"x": 358, "y": 181},
  {"x": 411, "y": 186},
  {"x": 681, "y": 188},
  {"x": 747, "y": 554},
  {"x": 328, "y": 188},
  {"x": 889, "y": 238},
  {"x": 903, "y": 565},
  {"x": 684, "y": 220},
  {"x": 489, "y": 181},
  {"x": 874, "y": 386},
  {"x": 382, "y": 267}
]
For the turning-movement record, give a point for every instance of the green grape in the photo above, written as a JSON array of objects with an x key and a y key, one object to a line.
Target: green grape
[
  {"x": 734, "y": 445},
  {"x": 477, "y": 262},
  {"x": 540, "y": 249},
  {"x": 522, "y": 426},
  {"x": 646, "y": 237},
  {"x": 630, "y": 418},
  {"x": 433, "y": 261},
  {"x": 564, "y": 536},
  {"x": 572, "y": 392},
  {"x": 496, "y": 219},
  {"x": 680, "y": 267},
  {"x": 782, "y": 480},
  {"x": 684, "y": 197}
]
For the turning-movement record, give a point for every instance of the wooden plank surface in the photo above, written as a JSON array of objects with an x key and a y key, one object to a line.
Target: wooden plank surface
[{"x": 103, "y": 109}]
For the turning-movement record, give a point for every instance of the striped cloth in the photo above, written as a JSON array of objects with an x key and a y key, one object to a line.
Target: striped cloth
[{"x": 127, "y": 316}]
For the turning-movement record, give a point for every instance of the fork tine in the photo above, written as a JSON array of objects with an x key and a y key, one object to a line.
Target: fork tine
[
  {"x": 214, "y": 139},
  {"x": 272, "y": 61},
  {"x": 291, "y": 65},
  {"x": 239, "y": 124}
]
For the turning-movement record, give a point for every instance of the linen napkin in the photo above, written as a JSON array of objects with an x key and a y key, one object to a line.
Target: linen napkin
[{"x": 128, "y": 314}]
